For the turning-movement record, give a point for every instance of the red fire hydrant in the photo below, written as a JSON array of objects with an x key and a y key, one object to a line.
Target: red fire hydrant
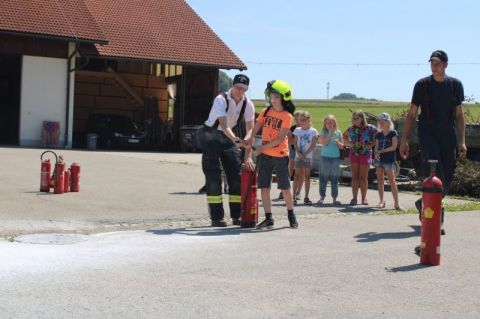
[{"x": 431, "y": 218}]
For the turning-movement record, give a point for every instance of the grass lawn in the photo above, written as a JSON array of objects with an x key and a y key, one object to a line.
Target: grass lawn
[{"x": 340, "y": 108}]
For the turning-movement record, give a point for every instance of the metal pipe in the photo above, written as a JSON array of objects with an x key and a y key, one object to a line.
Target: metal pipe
[{"x": 69, "y": 70}]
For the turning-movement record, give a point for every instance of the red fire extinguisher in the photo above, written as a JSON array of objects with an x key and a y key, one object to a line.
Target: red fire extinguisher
[
  {"x": 45, "y": 172},
  {"x": 75, "y": 177},
  {"x": 431, "y": 218},
  {"x": 249, "y": 201},
  {"x": 66, "y": 180},
  {"x": 59, "y": 177}
]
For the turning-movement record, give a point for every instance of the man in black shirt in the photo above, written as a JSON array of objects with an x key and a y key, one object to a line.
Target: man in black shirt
[{"x": 440, "y": 99}]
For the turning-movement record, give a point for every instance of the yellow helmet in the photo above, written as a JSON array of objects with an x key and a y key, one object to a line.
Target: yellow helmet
[
  {"x": 285, "y": 91},
  {"x": 279, "y": 87}
]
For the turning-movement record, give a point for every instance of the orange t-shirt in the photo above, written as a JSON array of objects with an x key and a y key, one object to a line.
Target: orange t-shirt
[{"x": 271, "y": 125}]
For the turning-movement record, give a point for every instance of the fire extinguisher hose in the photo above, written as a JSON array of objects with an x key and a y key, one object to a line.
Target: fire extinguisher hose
[{"x": 54, "y": 154}]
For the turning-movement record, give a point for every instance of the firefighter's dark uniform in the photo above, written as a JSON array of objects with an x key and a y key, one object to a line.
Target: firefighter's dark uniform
[
  {"x": 436, "y": 125},
  {"x": 218, "y": 147}
]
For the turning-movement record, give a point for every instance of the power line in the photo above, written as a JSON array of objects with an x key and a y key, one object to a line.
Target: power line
[{"x": 353, "y": 64}]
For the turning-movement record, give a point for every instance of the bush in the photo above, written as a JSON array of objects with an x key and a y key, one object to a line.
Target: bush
[{"x": 466, "y": 181}]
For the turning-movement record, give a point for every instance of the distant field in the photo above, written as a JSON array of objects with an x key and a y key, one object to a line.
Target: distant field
[{"x": 321, "y": 108}]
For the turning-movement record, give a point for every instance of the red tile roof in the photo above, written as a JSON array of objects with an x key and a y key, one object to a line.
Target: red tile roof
[
  {"x": 159, "y": 30},
  {"x": 69, "y": 19},
  {"x": 167, "y": 31}
]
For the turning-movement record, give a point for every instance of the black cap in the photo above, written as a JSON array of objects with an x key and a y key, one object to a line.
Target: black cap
[
  {"x": 242, "y": 80},
  {"x": 438, "y": 55}
]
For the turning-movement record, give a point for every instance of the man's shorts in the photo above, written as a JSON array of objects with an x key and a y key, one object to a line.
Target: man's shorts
[
  {"x": 265, "y": 166},
  {"x": 361, "y": 159},
  {"x": 383, "y": 165},
  {"x": 307, "y": 163}
]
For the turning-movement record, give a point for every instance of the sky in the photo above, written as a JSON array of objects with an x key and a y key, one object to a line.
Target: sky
[{"x": 372, "y": 48}]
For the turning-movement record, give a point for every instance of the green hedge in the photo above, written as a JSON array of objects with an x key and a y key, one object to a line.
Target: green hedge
[{"x": 467, "y": 179}]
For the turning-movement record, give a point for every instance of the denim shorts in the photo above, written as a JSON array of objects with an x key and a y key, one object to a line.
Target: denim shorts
[
  {"x": 265, "y": 166},
  {"x": 378, "y": 164},
  {"x": 307, "y": 163}
]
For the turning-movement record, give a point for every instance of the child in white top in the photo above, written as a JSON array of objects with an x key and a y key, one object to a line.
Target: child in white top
[{"x": 305, "y": 137}]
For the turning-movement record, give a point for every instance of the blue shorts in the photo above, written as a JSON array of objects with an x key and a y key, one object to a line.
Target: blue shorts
[{"x": 389, "y": 165}]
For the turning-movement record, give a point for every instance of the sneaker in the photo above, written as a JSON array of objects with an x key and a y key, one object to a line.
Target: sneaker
[
  {"x": 293, "y": 220},
  {"x": 236, "y": 221},
  {"x": 418, "y": 206},
  {"x": 268, "y": 223},
  {"x": 442, "y": 232},
  {"x": 219, "y": 223},
  {"x": 295, "y": 202},
  {"x": 307, "y": 201}
]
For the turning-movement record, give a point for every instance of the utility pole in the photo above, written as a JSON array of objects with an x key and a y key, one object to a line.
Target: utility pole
[{"x": 328, "y": 90}]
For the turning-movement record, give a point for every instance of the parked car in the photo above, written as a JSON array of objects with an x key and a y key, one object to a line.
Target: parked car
[{"x": 115, "y": 132}]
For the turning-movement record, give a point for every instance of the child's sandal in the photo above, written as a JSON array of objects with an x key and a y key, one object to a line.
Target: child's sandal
[{"x": 381, "y": 204}]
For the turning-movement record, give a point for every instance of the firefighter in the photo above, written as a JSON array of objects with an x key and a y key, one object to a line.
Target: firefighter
[
  {"x": 441, "y": 124},
  {"x": 222, "y": 143}
]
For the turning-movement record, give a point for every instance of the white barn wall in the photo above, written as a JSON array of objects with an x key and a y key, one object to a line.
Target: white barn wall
[{"x": 43, "y": 97}]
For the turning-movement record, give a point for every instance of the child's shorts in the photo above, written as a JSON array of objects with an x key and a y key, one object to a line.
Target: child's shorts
[
  {"x": 265, "y": 166},
  {"x": 307, "y": 163},
  {"x": 384, "y": 165},
  {"x": 361, "y": 159}
]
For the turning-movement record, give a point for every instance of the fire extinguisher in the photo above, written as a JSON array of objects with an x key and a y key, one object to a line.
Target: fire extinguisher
[
  {"x": 59, "y": 177},
  {"x": 66, "y": 180},
  {"x": 431, "y": 218},
  {"x": 75, "y": 177},
  {"x": 249, "y": 200},
  {"x": 45, "y": 171}
]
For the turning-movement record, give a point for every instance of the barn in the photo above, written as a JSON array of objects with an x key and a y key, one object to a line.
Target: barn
[{"x": 153, "y": 61}]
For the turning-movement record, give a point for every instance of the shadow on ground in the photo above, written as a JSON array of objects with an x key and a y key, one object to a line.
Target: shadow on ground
[
  {"x": 212, "y": 231},
  {"x": 357, "y": 209},
  {"x": 373, "y": 236},
  {"x": 407, "y": 268}
]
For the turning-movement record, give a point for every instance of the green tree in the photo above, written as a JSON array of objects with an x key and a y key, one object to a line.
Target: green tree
[
  {"x": 224, "y": 82},
  {"x": 345, "y": 96}
]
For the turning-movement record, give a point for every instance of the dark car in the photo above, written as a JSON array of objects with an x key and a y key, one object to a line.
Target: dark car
[{"x": 115, "y": 132}]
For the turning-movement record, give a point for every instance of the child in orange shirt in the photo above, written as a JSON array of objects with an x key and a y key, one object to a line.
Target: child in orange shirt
[{"x": 275, "y": 122}]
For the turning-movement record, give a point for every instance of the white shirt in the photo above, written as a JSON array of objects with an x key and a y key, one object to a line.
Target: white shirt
[
  {"x": 305, "y": 139},
  {"x": 219, "y": 108}
]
